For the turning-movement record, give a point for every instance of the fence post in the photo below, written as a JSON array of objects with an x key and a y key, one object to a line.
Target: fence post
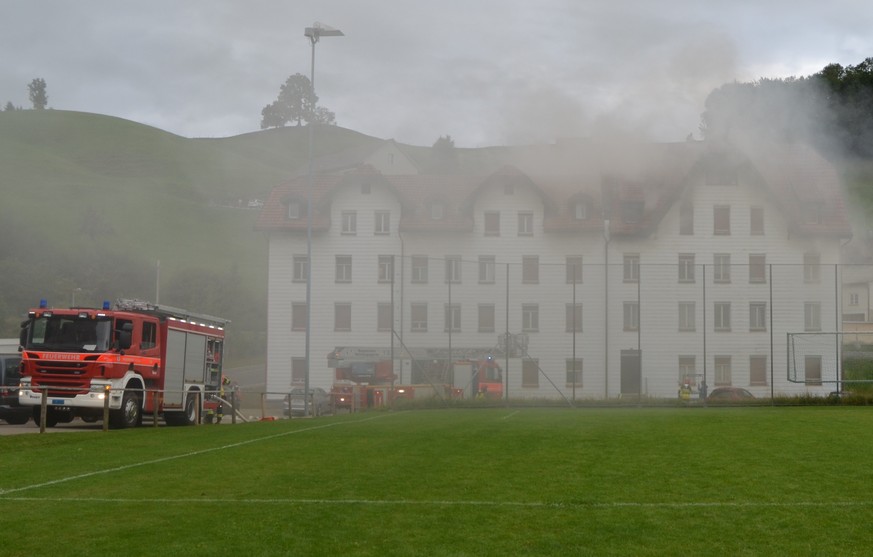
[
  {"x": 106, "y": 392},
  {"x": 233, "y": 406},
  {"x": 155, "y": 410},
  {"x": 43, "y": 409}
]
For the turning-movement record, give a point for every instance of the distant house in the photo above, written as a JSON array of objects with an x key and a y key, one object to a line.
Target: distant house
[{"x": 608, "y": 271}]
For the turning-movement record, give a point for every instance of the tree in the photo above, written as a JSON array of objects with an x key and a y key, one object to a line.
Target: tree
[
  {"x": 443, "y": 156},
  {"x": 9, "y": 106},
  {"x": 37, "y": 93},
  {"x": 295, "y": 104},
  {"x": 832, "y": 110}
]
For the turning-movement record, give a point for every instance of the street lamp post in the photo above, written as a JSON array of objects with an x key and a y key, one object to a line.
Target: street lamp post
[{"x": 314, "y": 33}]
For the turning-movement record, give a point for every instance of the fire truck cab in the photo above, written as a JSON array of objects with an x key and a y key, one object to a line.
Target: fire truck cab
[{"x": 145, "y": 358}]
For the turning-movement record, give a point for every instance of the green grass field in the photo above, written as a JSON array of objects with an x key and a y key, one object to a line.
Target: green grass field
[{"x": 681, "y": 481}]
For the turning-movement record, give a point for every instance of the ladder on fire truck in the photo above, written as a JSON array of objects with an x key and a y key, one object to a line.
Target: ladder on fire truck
[{"x": 142, "y": 306}]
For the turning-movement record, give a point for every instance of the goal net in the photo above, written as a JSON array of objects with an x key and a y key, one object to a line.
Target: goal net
[{"x": 843, "y": 357}]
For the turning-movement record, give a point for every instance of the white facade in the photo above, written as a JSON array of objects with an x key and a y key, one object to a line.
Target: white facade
[{"x": 714, "y": 304}]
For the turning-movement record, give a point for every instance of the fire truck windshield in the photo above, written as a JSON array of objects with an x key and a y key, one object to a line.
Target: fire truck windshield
[{"x": 69, "y": 333}]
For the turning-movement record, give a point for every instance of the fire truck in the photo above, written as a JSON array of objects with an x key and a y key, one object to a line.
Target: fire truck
[
  {"x": 364, "y": 376},
  {"x": 145, "y": 358}
]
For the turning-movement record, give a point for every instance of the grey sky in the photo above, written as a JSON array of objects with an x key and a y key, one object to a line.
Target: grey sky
[{"x": 486, "y": 72}]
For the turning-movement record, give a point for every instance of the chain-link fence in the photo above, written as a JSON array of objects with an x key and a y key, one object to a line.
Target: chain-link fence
[{"x": 584, "y": 331}]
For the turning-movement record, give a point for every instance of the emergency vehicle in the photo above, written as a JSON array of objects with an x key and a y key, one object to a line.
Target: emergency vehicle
[
  {"x": 146, "y": 358},
  {"x": 364, "y": 377}
]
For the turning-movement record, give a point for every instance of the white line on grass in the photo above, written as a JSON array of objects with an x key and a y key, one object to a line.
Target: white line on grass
[
  {"x": 435, "y": 503},
  {"x": 510, "y": 415},
  {"x": 3, "y": 492}
]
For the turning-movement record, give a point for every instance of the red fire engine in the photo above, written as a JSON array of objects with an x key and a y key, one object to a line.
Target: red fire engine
[
  {"x": 144, "y": 357},
  {"x": 364, "y": 377}
]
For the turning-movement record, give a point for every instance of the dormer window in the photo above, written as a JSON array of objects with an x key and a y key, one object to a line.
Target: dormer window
[
  {"x": 581, "y": 210},
  {"x": 437, "y": 210},
  {"x": 508, "y": 189},
  {"x": 365, "y": 188},
  {"x": 294, "y": 210}
]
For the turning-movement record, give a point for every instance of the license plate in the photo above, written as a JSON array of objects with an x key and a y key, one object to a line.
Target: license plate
[{"x": 57, "y": 401}]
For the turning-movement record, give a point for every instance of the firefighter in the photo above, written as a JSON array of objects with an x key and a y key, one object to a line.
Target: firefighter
[{"x": 220, "y": 410}]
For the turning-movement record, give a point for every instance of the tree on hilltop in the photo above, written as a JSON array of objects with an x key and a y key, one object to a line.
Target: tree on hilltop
[
  {"x": 295, "y": 104},
  {"x": 37, "y": 93}
]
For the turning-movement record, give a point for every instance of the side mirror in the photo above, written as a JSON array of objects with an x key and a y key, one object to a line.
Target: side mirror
[{"x": 22, "y": 336}]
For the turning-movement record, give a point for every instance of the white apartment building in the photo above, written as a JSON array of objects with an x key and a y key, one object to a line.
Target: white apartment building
[{"x": 622, "y": 272}]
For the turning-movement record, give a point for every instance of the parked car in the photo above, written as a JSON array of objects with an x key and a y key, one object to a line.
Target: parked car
[
  {"x": 730, "y": 394},
  {"x": 319, "y": 402},
  {"x": 9, "y": 377}
]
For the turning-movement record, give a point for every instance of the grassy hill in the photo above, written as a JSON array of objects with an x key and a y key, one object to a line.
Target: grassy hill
[{"x": 89, "y": 204}]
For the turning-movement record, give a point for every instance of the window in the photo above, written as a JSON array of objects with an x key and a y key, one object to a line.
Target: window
[
  {"x": 722, "y": 267},
  {"x": 530, "y": 317},
  {"x": 366, "y": 188},
  {"x": 574, "y": 269},
  {"x": 342, "y": 317},
  {"x": 530, "y": 269},
  {"x": 631, "y": 268},
  {"x": 453, "y": 317},
  {"x": 721, "y": 220},
  {"x": 854, "y": 299},
  {"x": 343, "y": 268},
  {"x": 453, "y": 268},
  {"x": 437, "y": 211},
  {"x": 811, "y": 268},
  {"x": 757, "y": 268},
  {"x": 419, "y": 269},
  {"x": 384, "y": 317},
  {"x": 812, "y": 369},
  {"x": 149, "y": 335},
  {"x": 298, "y": 371},
  {"x": 486, "y": 318},
  {"x": 631, "y": 316},
  {"x": 300, "y": 267},
  {"x": 687, "y": 370},
  {"x": 386, "y": 268},
  {"x": 687, "y": 316},
  {"x": 722, "y": 370},
  {"x": 530, "y": 373},
  {"x": 573, "y": 318},
  {"x": 293, "y": 210},
  {"x": 349, "y": 222},
  {"x": 382, "y": 223},
  {"x": 756, "y": 221},
  {"x": 686, "y": 267},
  {"x": 581, "y": 210},
  {"x": 486, "y": 269},
  {"x": 722, "y": 316},
  {"x": 508, "y": 189},
  {"x": 525, "y": 224},
  {"x": 492, "y": 223},
  {"x": 757, "y": 370},
  {"x": 574, "y": 372},
  {"x": 299, "y": 317},
  {"x": 812, "y": 316},
  {"x": 418, "y": 317},
  {"x": 686, "y": 219},
  {"x": 757, "y": 316}
]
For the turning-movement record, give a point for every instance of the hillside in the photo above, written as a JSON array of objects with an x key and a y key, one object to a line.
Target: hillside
[{"x": 91, "y": 204}]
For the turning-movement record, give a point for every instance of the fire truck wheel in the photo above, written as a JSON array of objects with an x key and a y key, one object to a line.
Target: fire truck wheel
[
  {"x": 51, "y": 419},
  {"x": 130, "y": 413},
  {"x": 17, "y": 420}
]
